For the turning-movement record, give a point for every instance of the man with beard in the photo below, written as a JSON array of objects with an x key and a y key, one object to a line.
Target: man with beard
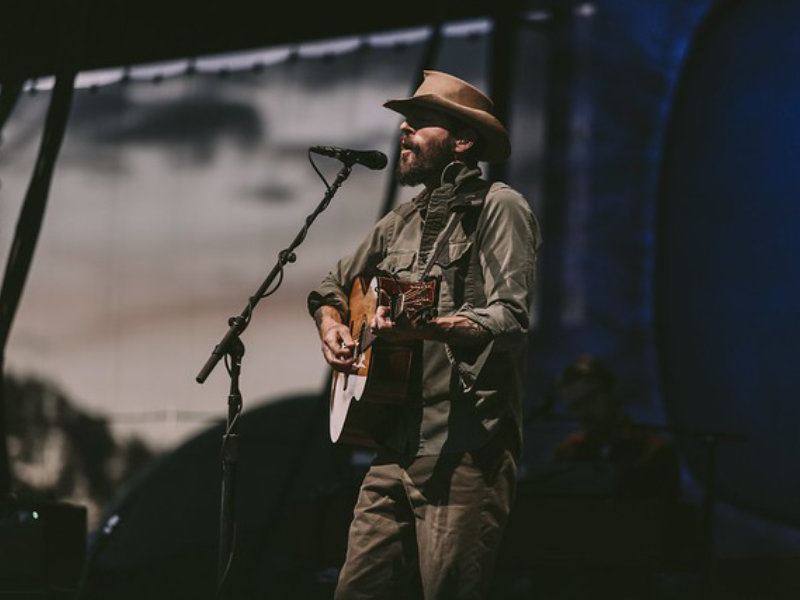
[{"x": 433, "y": 505}]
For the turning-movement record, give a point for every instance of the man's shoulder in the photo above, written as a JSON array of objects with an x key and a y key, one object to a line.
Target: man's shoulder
[
  {"x": 503, "y": 202},
  {"x": 502, "y": 193}
]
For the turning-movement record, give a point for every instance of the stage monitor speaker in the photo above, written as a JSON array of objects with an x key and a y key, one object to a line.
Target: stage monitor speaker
[
  {"x": 42, "y": 547},
  {"x": 589, "y": 530}
]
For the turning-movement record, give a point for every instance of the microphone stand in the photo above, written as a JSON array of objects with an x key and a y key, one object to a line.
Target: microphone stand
[{"x": 231, "y": 347}]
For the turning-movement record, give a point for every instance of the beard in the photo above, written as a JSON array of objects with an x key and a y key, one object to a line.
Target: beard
[{"x": 424, "y": 166}]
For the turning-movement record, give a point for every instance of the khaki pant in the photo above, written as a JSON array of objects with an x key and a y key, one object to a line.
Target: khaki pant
[{"x": 429, "y": 528}]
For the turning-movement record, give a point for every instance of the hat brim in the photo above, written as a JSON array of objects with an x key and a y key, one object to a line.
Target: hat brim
[{"x": 497, "y": 146}]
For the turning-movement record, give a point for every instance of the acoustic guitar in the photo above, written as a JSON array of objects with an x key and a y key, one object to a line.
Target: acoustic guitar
[{"x": 362, "y": 403}]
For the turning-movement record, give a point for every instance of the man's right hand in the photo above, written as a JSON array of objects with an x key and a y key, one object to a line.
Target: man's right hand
[{"x": 338, "y": 346}]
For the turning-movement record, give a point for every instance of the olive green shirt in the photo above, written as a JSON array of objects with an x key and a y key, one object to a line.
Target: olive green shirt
[{"x": 486, "y": 274}]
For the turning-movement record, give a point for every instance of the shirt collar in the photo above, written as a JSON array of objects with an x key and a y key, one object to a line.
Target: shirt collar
[
  {"x": 453, "y": 177},
  {"x": 457, "y": 173}
]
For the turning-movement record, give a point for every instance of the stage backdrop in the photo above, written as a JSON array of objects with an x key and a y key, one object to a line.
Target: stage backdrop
[{"x": 661, "y": 177}]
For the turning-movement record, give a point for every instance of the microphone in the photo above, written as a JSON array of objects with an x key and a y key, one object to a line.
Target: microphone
[{"x": 372, "y": 159}]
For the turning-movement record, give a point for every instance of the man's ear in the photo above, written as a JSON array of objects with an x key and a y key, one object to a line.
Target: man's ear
[
  {"x": 465, "y": 139},
  {"x": 463, "y": 145}
]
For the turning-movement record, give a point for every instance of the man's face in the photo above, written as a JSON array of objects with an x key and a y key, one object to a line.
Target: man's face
[
  {"x": 585, "y": 399},
  {"x": 426, "y": 148}
]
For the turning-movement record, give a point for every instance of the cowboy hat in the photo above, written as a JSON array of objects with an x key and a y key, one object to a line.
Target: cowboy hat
[{"x": 455, "y": 97}]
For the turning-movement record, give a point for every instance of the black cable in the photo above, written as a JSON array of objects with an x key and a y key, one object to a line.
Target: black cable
[
  {"x": 314, "y": 166},
  {"x": 287, "y": 254}
]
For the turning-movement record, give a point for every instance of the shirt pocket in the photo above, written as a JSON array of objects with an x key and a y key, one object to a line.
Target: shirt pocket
[
  {"x": 452, "y": 267},
  {"x": 398, "y": 264}
]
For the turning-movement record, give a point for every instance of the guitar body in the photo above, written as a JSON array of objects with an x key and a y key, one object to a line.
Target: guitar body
[{"x": 362, "y": 404}]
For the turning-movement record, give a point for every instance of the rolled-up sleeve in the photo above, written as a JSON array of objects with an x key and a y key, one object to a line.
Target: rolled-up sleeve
[
  {"x": 333, "y": 290},
  {"x": 507, "y": 240}
]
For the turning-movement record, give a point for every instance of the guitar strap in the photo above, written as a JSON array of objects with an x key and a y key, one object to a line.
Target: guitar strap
[{"x": 459, "y": 206}]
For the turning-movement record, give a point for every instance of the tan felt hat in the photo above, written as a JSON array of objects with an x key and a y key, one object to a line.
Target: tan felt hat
[{"x": 455, "y": 97}]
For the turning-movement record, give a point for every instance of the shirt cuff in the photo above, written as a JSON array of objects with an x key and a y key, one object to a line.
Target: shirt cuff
[
  {"x": 468, "y": 361},
  {"x": 316, "y": 299}
]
